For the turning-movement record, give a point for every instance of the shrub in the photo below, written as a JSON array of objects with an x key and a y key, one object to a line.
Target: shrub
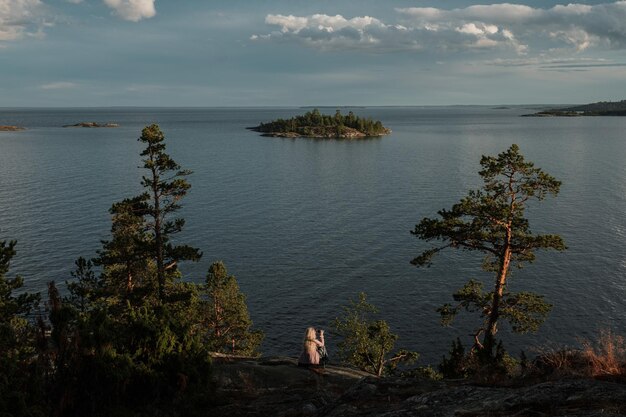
[
  {"x": 607, "y": 356},
  {"x": 368, "y": 343},
  {"x": 479, "y": 365}
]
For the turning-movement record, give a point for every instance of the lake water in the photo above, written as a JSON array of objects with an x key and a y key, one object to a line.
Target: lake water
[{"x": 307, "y": 224}]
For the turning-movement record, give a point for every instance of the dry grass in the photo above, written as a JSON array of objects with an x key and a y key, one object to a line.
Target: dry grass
[
  {"x": 558, "y": 362},
  {"x": 607, "y": 356},
  {"x": 604, "y": 357}
]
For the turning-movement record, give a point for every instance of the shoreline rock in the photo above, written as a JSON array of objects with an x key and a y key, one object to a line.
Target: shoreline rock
[
  {"x": 321, "y": 133},
  {"x": 276, "y": 386},
  {"x": 551, "y": 113},
  {"x": 6, "y": 128},
  {"x": 92, "y": 124}
]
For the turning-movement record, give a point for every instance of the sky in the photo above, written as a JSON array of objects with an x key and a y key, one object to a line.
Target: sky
[{"x": 97, "y": 53}]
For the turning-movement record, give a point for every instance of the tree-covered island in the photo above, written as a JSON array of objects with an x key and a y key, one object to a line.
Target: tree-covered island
[{"x": 313, "y": 124}]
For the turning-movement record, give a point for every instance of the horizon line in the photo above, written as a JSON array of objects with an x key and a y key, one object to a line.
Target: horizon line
[{"x": 286, "y": 106}]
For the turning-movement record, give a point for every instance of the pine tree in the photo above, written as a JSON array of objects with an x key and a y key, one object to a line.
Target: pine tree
[
  {"x": 166, "y": 186},
  {"x": 17, "y": 340},
  {"x": 491, "y": 220},
  {"x": 14, "y": 326},
  {"x": 126, "y": 256},
  {"x": 226, "y": 318}
]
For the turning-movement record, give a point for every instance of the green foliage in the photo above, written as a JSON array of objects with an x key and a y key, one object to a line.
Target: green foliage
[
  {"x": 126, "y": 256},
  {"x": 307, "y": 123},
  {"x": 142, "y": 353},
  {"x": 524, "y": 311},
  {"x": 491, "y": 220},
  {"x": 481, "y": 365},
  {"x": 368, "y": 343},
  {"x": 224, "y": 315},
  {"x": 457, "y": 365},
  {"x": 423, "y": 372},
  {"x": 17, "y": 343}
]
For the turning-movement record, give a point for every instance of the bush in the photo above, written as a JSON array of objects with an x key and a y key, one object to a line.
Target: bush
[
  {"x": 423, "y": 372},
  {"x": 368, "y": 343},
  {"x": 481, "y": 366},
  {"x": 607, "y": 356}
]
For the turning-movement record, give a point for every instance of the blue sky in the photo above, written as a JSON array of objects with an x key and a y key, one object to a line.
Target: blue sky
[{"x": 309, "y": 52}]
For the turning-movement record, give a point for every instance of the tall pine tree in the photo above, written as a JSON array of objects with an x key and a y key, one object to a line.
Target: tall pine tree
[
  {"x": 491, "y": 220},
  {"x": 142, "y": 226}
]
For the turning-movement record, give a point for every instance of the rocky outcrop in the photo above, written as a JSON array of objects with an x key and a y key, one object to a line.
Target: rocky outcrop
[
  {"x": 278, "y": 387},
  {"x": 92, "y": 124},
  {"x": 4, "y": 128},
  {"x": 582, "y": 397}
]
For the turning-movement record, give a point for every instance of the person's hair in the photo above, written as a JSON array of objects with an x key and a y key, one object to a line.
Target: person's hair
[{"x": 309, "y": 336}]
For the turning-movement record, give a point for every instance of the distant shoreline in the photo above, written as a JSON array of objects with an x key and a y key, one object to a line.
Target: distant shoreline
[{"x": 601, "y": 108}]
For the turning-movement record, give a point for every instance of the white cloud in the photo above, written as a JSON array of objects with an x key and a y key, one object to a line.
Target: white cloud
[
  {"x": 503, "y": 27},
  {"x": 337, "y": 32},
  {"x": 133, "y": 10},
  {"x": 74, "y": 1},
  {"x": 59, "y": 85},
  {"x": 479, "y": 29},
  {"x": 579, "y": 26},
  {"x": 287, "y": 23},
  {"x": 19, "y": 18}
]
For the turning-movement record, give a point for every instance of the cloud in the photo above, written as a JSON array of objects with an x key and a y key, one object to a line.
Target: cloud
[
  {"x": 337, "y": 32},
  {"x": 133, "y": 10},
  {"x": 366, "y": 32},
  {"x": 59, "y": 85},
  {"x": 19, "y": 18},
  {"x": 516, "y": 28},
  {"x": 577, "y": 26}
]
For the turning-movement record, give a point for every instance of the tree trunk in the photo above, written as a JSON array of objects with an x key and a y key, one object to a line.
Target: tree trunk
[
  {"x": 492, "y": 324},
  {"x": 158, "y": 238},
  {"x": 218, "y": 317},
  {"x": 129, "y": 278}
]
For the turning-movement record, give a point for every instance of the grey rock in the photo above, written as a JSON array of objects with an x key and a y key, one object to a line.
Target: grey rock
[
  {"x": 92, "y": 124},
  {"x": 278, "y": 387},
  {"x": 309, "y": 409}
]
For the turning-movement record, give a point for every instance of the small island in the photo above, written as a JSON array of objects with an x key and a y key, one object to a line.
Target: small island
[
  {"x": 4, "y": 128},
  {"x": 313, "y": 124},
  {"x": 601, "y": 108},
  {"x": 92, "y": 124}
]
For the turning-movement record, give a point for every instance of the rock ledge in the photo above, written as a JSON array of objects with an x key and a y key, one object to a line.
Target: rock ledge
[{"x": 276, "y": 386}]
